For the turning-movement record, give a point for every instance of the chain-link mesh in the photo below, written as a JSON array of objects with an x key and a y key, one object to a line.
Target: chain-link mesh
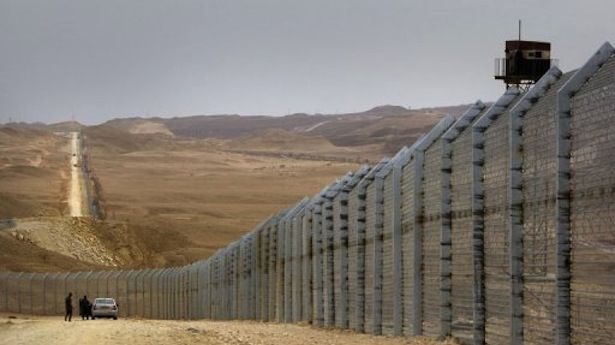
[
  {"x": 297, "y": 268},
  {"x": 593, "y": 209},
  {"x": 356, "y": 256},
  {"x": 263, "y": 261},
  {"x": 539, "y": 158},
  {"x": 273, "y": 254},
  {"x": 497, "y": 286},
  {"x": 432, "y": 199},
  {"x": 461, "y": 236}
]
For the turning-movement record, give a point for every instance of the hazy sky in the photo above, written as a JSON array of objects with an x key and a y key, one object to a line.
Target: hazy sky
[{"x": 95, "y": 60}]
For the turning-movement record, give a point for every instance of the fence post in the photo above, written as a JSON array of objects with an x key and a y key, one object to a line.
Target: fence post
[
  {"x": 377, "y": 287},
  {"x": 397, "y": 251},
  {"x": 446, "y": 314},
  {"x": 317, "y": 297},
  {"x": 515, "y": 226},
  {"x": 417, "y": 303},
  {"x": 478, "y": 213}
]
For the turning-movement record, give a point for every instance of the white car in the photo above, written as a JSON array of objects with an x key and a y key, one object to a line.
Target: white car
[{"x": 104, "y": 307}]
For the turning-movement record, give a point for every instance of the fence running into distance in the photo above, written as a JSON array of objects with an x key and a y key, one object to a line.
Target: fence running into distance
[{"x": 496, "y": 228}]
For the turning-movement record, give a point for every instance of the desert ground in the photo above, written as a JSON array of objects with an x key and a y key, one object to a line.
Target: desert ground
[
  {"x": 166, "y": 201},
  {"x": 33, "y": 173},
  {"x": 53, "y": 330},
  {"x": 205, "y": 195},
  {"x": 167, "y": 192}
]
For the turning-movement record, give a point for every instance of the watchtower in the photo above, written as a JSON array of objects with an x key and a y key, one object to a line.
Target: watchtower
[{"x": 524, "y": 63}]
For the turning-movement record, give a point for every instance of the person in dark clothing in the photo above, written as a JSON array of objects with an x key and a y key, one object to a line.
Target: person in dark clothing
[
  {"x": 87, "y": 308},
  {"x": 82, "y": 307},
  {"x": 81, "y": 310},
  {"x": 68, "y": 304}
]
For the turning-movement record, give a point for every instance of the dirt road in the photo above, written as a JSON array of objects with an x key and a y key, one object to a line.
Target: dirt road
[
  {"x": 53, "y": 330},
  {"x": 75, "y": 197}
]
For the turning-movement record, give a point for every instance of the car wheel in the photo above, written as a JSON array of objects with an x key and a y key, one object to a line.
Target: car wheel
[
  {"x": 93, "y": 318},
  {"x": 115, "y": 318}
]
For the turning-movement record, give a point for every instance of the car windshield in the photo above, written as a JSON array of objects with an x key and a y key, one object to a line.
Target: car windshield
[{"x": 104, "y": 301}]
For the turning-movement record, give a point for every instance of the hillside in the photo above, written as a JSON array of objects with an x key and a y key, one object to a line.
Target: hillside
[{"x": 389, "y": 127}]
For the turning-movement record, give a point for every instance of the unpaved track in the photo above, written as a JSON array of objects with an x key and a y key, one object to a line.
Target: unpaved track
[
  {"x": 75, "y": 197},
  {"x": 53, "y": 330}
]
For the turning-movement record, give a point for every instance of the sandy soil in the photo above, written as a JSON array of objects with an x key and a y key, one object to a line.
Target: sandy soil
[
  {"x": 53, "y": 330},
  {"x": 33, "y": 173},
  {"x": 67, "y": 236},
  {"x": 209, "y": 196}
]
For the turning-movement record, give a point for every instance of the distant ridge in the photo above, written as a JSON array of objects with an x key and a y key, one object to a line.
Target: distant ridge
[{"x": 389, "y": 125}]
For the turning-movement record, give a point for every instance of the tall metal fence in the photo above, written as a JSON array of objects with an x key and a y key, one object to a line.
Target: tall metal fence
[{"x": 496, "y": 228}]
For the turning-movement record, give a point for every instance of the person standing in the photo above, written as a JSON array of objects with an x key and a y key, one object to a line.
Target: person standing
[
  {"x": 87, "y": 307},
  {"x": 82, "y": 308},
  {"x": 68, "y": 304}
]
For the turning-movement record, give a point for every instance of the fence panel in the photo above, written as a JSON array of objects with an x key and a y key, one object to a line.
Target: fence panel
[
  {"x": 373, "y": 258},
  {"x": 317, "y": 257},
  {"x": 297, "y": 267},
  {"x": 388, "y": 272},
  {"x": 538, "y": 195},
  {"x": 408, "y": 237},
  {"x": 432, "y": 196},
  {"x": 264, "y": 273},
  {"x": 306, "y": 254},
  {"x": 273, "y": 257},
  {"x": 461, "y": 231},
  {"x": 356, "y": 257},
  {"x": 592, "y": 208},
  {"x": 327, "y": 261},
  {"x": 280, "y": 273},
  {"x": 49, "y": 297},
  {"x": 497, "y": 272}
]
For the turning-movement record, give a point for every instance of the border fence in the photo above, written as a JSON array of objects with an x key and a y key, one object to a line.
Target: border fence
[{"x": 493, "y": 228}]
